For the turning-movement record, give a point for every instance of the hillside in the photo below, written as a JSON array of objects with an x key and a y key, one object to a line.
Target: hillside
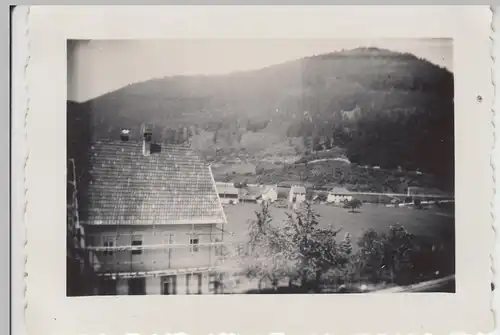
[{"x": 376, "y": 107}]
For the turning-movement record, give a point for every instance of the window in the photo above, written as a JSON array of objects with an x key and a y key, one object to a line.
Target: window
[
  {"x": 108, "y": 242},
  {"x": 217, "y": 246},
  {"x": 194, "y": 241},
  {"x": 136, "y": 242},
  {"x": 193, "y": 283},
  {"x": 167, "y": 239},
  {"x": 137, "y": 286},
  {"x": 169, "y": 285}
]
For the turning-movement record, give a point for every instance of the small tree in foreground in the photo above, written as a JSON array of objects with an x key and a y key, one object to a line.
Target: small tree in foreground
[{"x": 294, "y": 249}]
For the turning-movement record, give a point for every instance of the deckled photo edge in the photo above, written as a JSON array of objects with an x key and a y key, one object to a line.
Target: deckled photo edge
[{"x": 74, "y": 304}]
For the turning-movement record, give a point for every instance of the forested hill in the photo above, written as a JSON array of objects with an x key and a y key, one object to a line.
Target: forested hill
[{"x": 384, "y": 108}]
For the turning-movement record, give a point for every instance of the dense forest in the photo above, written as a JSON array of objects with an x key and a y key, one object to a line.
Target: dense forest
[{"x": 381, "y": 108}]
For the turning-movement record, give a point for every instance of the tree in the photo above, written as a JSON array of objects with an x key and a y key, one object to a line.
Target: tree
[
  {"x": 268, "y": 256},
  {"x": 322, "y": 196},
  {"x": 418, "y": 203},
  {"x": 316, "y": 145},
  {"x": 296, "y": 249},
  {"x": 387, "y": 257},
  {"x": 353, "y": 204}
]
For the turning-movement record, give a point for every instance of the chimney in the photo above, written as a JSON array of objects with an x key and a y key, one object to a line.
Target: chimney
[
  {"x": 147, "y": 133},
  {"x": 125, "y": 135}
]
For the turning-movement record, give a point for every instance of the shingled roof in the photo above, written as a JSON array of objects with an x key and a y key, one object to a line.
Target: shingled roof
[{"x": 170, "y": 186}]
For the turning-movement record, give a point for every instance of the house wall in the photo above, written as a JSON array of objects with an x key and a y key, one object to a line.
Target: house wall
[
  {"x": 176, "y": 257},
  {"x": 224, "y": 199},
  {"x": 298, "y": 197},
  {"x": 270, "y": 195},
  {"x": 338, "y": 198},
  {"x": 153, "y": 285}
]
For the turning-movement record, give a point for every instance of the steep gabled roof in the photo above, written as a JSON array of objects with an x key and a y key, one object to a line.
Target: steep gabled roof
[
  {"x": 170, "y": 186},
  {"x": 339, "y": 190}
]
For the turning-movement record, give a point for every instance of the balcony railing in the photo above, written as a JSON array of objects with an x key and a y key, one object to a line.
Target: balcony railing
[{"x": 157, "y": 257}]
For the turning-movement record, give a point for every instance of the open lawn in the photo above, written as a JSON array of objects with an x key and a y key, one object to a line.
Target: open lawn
[{"x": 432, "y": 223}]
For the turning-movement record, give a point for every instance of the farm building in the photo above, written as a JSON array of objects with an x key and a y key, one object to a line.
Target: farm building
[
  {"x": 228, "y": 194},
  {"x": 251, "y": 194},
  {"x": 338, "y": 195},
  {"x": 152, "y": 218},
  {"x": 296, "y": 196},
  {"x": 270, "y": 193}
]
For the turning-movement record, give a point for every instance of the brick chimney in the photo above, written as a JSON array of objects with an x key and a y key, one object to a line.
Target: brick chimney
[{"x": 147, "y": 133}]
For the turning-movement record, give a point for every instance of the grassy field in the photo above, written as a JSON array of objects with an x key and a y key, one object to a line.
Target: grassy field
[{"x": 432, "y": 223}]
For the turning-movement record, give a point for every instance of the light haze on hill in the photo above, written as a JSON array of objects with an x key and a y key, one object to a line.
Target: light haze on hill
[{"x": 98, "y": 67}]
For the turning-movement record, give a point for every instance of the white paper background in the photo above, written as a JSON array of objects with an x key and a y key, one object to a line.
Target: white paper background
[{"x": 50, "y": 312}]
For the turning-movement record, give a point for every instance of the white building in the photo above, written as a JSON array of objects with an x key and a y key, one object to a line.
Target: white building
[
  {"x": 296, "y": 196},
  {"x": 338, "y": 195},
  {"x": 270, "y": 193}
]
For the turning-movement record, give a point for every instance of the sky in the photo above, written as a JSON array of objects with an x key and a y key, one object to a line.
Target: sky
[{"x": 96, "y": 67}]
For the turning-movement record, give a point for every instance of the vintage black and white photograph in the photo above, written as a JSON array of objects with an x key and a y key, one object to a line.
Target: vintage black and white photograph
[{"x": 260, "y": 166}]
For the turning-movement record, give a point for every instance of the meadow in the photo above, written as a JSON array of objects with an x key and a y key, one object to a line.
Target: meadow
[{"x": 433, "y": 224}]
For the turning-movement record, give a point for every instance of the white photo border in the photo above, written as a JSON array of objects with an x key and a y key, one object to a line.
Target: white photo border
[{"x": 48, "y": 309}]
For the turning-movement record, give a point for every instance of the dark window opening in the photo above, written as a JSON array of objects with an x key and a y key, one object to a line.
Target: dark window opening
[
  {"x": 194, "y": 244},
  {"x": 137, "y": 286},
  {"x": 169, "y": 285},
  {"x": 108, "y": 244},
  {"x": 188, "y": 282},
  {"x": 199, "y": 282},
  {"x": 136, "y": 242},
  {"x": 108, "y": 287}
]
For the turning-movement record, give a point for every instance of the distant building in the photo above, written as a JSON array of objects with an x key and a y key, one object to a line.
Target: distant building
[
  {"x": 416, "y": 191},
  {"x": 338, "y": 195},
  {"x": 152, "y": 217},
  {"x": 228, "y": 194},
  {"x": 296, "y": 196},
  {"x": 270, "y": 193},
  {"x": 251, "y": 194}
]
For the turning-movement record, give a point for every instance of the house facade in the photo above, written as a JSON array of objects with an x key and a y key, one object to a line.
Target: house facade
[
  {"x": 296, "y": 196},
  {"x": 338, "y": 195},
  {"x": 153, "y": 219},
  {"x": 270, "y": 193}
]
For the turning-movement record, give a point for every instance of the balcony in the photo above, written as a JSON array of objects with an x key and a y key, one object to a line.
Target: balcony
[{"x": 152, "y": 258}]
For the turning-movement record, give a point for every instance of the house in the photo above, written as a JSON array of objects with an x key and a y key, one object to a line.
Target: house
[
  {"x": 153, "y": 218},
  {"x": 251, "y": 194},
  {"x": 228, "y": 194},
  {"x": 338, "y": 195},
  {"x": 416, "y": 191},
  {"x": 270, "y": 193},
  {"x": 296, "y": 196},
  {"x": 259, "y": 193}
]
